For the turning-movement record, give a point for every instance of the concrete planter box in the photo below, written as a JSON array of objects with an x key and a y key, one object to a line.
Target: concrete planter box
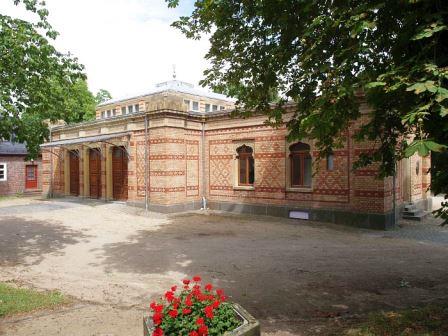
[{"x": 250, "y": 326}]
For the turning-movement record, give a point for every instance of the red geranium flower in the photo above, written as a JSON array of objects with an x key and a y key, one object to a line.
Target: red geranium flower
[
  {"x": 173, "y": 313},
  {"x": 186, "y": 311},
  {"x": 200, "y": 321},
  {"x": 203, "y": 330},
  {"x": 196, "y": 278},
  {"x": 186, "y": 281},
  {"x": 216, "y": 304},
  {"x": 157, "y": 332},
  {"x": 173, "y": 289},
  {"x": 157, "y": 318},
  {"x": 220, "y": 292},
  {"x": 209, "y": 312},
  {"x": 193, "y": 333},
  {"x": 208, "y": 287},
  {"x": 169, "y": 296}
]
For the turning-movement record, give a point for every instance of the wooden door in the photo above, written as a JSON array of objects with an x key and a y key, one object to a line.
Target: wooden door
[
  {"x": 74, "y": 173},
  {"x": 95, "y": 173},
  {"x": 31, "y": 177},
  {"x": 119, "y": 174}
]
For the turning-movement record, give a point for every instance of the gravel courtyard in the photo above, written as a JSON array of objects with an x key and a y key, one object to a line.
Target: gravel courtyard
[{"x": 296, "y": 277}]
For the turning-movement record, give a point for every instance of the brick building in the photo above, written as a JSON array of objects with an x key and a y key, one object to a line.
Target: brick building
[
  {"x": 178, "y": 148},
  {"x": 18, "y": 176}
]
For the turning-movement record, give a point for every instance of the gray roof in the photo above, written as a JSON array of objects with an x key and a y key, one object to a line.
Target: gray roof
[
  {"x": 74, "y": 141},
  {"x": 12, "y": 148},
  {"x": 176, "y": 86}
]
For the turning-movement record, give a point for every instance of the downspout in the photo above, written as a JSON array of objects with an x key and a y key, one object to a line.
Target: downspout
[
  {"x": 146, "y": 163},
  {"x": 51, "y": 168},
  {"x": 394, "y": 196},
  {"x": 204, "y": 199}
]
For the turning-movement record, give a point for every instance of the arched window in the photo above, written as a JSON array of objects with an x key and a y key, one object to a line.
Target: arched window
[
  {"x": 246, "y": 171},
  {"x": 301, "y": 168}
]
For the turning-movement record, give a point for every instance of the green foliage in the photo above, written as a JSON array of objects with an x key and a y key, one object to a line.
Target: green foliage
[
  {"x": 327, "y": 56},
  {"x": 37, "y": 83},
  {"x": 102, "y": 96},
  {"x": 430, "y": 320},
  {"x": 20, "y": 300}
]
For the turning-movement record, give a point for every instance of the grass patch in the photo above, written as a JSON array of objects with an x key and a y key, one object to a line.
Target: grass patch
[
  {"x": 21, "y": 300},
  {"x": 430, "y": 320}
]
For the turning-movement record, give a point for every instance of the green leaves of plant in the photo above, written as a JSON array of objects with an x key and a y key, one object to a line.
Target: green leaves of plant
[
  {"x": 423, "y": 148},
  {"x": 430, "y": 30}
]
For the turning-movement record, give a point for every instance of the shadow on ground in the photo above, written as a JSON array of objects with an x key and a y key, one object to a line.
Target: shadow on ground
[
  {"x": 287, "y": 272},
  {"x": 25, "y": 242}
]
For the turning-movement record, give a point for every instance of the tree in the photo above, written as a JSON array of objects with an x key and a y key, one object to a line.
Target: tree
[
  {"x": 321, "y": 54},
  {"x": 102, "y": 96},
  {"x": 35, "y": 79}
]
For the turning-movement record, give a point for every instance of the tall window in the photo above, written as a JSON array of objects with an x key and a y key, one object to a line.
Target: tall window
[
  {"x": 246, "y": 171},
  {"x": 207, "y": 107},
  {"x": 3, "y": 172},
  {"x": 129, "y": 109},
  {"x": 301, "y": 166},
  {"x": 123, "y": 110},
  {"x": 195, "y": 106},
  {"x": 330, "y": 161},
  {"x": 136, "y": 108}
]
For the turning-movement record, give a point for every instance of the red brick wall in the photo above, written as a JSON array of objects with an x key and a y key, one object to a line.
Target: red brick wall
[{"x": 15, "y": 183}]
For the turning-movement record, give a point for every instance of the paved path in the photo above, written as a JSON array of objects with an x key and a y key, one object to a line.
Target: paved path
[{"x": 297, "y": 277}]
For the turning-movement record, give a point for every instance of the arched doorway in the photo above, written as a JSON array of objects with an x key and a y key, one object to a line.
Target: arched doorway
[
  {"x": 74, "y": 172},
  {"x": 119, "y": 174},
  {"x": 95, "y": 173}
]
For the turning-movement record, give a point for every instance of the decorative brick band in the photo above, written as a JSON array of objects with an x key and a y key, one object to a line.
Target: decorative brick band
[
  {"x": 193, "y": 187},
  {"x": 331, "y": 191},
  {"x": 193, "y": 157},
  {"x": 366, "y": 172},
  {"x": 220, "y": 142},
  {"x": 270, "y": 189},
  {"x": 167, "y": 157},
  {"x": 269, "y": 138},
  {"x": 218, "y": 187},
  {"x": 221, "y": 157},
  {"x": 167, "y": 173},
  {"x": 167, "y": 190},
  {"x": 277, "y": 155},
  {"x": 372, "y": 193},
  {"x": 166, "y": 140},
  {"x": 192, "y": 142}
]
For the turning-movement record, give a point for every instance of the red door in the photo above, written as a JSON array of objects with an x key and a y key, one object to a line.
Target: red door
[
  {"x": 31, "y": 177},
  {"x": 120, "y": 173},
  {"x": 74, "y": 173},
  {"x": 95, "y": 173}
]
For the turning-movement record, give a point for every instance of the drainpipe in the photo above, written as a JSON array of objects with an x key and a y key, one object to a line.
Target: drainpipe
[
  {"x": 146, "y": 163},
  {"x": 394, "y": 190},
  {"x": 51, "y": 168},
  {"x": 204, "y": 199}
]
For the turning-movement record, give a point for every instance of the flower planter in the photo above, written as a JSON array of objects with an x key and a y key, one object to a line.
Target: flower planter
[{"x": 249, "y": 327}]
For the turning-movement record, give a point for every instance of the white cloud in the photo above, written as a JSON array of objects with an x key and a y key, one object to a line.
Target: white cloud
[{"x": 126, "y": 45}]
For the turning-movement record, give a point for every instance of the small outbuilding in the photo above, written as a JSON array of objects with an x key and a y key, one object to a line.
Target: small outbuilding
[{"x": 17, "y": 175}]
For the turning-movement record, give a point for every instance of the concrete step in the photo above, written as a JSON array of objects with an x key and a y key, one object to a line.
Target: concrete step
[
  {"x": 30, "y": 193},
  {"x": 416, "y": 217},
  {"x": 413, "y": 212},
  {"x": 410, "y": 207}
]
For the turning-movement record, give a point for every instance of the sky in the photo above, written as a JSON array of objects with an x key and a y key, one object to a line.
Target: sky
[{"x": 126, "y": 46}]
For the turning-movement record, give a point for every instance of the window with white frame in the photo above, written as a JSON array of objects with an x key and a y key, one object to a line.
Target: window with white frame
[
  {"x": 215, "y": 108},
  {"x": 207, "y": 107},
  {"x": 130, "y": 109},
  {"x": 114, "y": 112},
  {"x": 103, "y": 114},
  {"x": 136, "y": 108},
  {"x": 195, "y": 106},
  {"x": 187, "y": 104},
  {"x": 222, "y": 108},
  {"x": 3, "y": 171}
]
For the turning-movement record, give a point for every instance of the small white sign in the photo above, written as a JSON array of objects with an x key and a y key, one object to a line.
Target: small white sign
[{"x": 299, "y": 215}]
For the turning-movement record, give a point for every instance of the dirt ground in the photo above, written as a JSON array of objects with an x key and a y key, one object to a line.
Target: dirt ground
[{"x": 296, "y": 277}]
